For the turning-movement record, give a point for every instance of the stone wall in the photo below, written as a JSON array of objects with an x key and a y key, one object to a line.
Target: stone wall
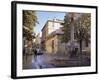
[{"x": 52, "y": 45}]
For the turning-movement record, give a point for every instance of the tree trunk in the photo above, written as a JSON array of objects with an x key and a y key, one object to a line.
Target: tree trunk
[
  {"x": 80, "y": 46},
  {"x": 80, "y": 51}
]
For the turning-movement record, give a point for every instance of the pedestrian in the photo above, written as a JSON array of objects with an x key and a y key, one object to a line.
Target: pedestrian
[
  {"x": 39, "y": 60},
  {"x": 35, "y": 54}
]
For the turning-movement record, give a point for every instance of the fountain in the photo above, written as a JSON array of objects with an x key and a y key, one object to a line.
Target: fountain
[{"x": 72, "y": 45}]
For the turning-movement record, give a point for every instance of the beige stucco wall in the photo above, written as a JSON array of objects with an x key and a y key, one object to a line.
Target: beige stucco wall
[
  {"x": 48, "y": 43},
  {"x": 59, "y": 47},
  {"x": 53, "y": 26}
]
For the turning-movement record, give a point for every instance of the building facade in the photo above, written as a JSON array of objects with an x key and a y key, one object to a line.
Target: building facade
[{"x": 51, "y": 33}]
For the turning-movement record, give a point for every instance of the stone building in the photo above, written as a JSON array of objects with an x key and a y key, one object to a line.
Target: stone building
[{"x": 51, "y": 33}]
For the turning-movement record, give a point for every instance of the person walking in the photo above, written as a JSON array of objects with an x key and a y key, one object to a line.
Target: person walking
[{"x": 35, "y": 54}]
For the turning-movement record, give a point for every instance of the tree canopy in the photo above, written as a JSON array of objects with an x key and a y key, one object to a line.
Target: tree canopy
[
  {"x": 82, "y": 28},
  {"x": 66, "y": 28},
  {"x": 29, "y": 18},
  {"x": 82, "y": 25},
  {"x": 29, "y": 21}
]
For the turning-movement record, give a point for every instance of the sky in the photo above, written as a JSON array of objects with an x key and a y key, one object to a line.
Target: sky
[{"x": 43, "y": 16}]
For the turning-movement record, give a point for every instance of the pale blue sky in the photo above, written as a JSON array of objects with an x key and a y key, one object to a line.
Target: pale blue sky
[{"x": 43, "y": 16}]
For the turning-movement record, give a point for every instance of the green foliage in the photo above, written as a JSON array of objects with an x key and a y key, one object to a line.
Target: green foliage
[
  {"x": 29, "y": 21},
  {"x": 66, "y": 29},
  {"x": 82, "y": 26},
  {"x": 29, "y": 18},
  {"x": 27, "y": 34},
  {"x": 83, "y": 29}
]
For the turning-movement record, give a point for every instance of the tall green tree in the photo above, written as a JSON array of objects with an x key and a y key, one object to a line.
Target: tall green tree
[
  {"x": 29, "y": 21},
  {"x": 66, "y": 28},
  {"x": 83, "y": 30},
  {"x": 82, "y": 24}
]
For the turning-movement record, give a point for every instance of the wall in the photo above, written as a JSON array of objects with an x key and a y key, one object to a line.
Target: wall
[
  {"x": 52, "y": 26},
  {"x": 49, "y": 45},
  {"x": 5, "y": 40}
]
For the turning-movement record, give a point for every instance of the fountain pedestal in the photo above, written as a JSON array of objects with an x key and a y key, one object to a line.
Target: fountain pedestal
[{"x": 72, "y": 45}]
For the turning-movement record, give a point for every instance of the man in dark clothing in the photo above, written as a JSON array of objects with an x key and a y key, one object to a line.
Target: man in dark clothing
[{"x": 35, "y": 54}]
